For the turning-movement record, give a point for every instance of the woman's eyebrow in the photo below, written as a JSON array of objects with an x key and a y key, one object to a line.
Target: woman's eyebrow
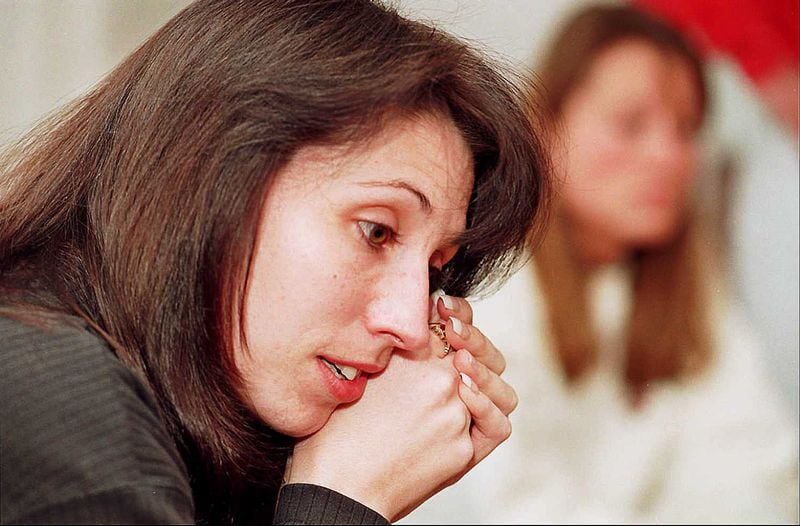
[{"x": 424, "y": 202}]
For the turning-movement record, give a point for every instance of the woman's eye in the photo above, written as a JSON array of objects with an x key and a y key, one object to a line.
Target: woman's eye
[{"x": 376, "y": 234}]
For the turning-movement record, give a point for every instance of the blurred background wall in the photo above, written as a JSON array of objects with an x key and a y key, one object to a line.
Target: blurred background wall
[{"x": 53, "y": 50}]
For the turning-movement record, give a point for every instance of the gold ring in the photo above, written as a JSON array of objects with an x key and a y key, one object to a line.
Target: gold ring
[{"x": 438, "y": 330}]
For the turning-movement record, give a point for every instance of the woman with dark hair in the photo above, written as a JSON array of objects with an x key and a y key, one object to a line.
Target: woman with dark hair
[
  {"x": 216, "y": 267},
  {"x": 641, "y": 395}
]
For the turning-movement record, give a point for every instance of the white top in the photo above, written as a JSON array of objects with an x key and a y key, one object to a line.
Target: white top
[{"x": 719, "y": 449}]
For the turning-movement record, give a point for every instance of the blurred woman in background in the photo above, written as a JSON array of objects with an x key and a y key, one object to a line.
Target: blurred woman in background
[{"x": 641, "y": 395}]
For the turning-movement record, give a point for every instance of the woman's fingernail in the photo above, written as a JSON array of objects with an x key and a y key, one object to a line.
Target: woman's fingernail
[
  {"x": 448, "y": 301},
  {"x": 468, "y": 382},
  {"x": 434, "y": 316},
  {"x": 458, "y": 327}
]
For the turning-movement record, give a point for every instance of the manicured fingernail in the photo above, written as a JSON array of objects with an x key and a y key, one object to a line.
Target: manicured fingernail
[
  {"x": 448, "y": 301},
  {"x": 458, "y": 327},
  {"x": 434, "y": 315},
  {"x": 468, "y": 382}
]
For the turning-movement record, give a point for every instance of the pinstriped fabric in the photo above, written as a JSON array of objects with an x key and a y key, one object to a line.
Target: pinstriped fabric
[
  {"x": 81, "y": 442},
  {"x": 309, "y": 504}
]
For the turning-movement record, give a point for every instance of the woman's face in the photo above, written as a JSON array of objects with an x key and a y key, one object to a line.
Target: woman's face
[
  {"x": 630, "y": 151},
  {"x": 340, "y": 275}
]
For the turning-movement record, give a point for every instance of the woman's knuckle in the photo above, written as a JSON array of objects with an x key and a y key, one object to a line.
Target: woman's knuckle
[
  {"x": 501, "y": 362},
  {"x": 514, "y": 399},
  {"x": 442, "y": 381},
  {"x": 464, "y": 451},
  {"x": 467, "y": 309},
  {"x": 505, "y": 429}
]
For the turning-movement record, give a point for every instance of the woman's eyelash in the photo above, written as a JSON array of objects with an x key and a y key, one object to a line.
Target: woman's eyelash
[{"x": 376, "y": 234}]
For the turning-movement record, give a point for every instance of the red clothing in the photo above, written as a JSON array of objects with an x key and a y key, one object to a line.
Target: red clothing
[{"x": 761, "y": 35}]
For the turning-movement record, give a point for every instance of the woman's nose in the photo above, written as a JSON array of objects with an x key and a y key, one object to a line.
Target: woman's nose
[{"x": 400, "y": 308}]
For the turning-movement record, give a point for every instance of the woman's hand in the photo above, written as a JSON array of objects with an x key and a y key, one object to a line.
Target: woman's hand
[
  {"x": 492, "y": 399},
  {"x": 404, "y": 440},
  {"x": 419, "y": 427}
]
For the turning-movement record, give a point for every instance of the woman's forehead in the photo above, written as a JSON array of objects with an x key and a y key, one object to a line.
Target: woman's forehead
[
  {"x": 425, "y": 152},
  {"x": 637, "y": 75}
]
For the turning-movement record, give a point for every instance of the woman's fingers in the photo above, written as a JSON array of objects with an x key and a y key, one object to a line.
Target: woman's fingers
[
  {"x": 456, "y": 313},
  {"x": 452, "y": 306},
  {"x": 487, "y": 381},
  {"x": 462, "y": 335},
  {"x": 490, "y": 427}
]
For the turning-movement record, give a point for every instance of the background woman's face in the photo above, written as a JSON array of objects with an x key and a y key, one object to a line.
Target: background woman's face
[
  {"x": 340, "y": 276},
  {"x": 630, "y": 152}
]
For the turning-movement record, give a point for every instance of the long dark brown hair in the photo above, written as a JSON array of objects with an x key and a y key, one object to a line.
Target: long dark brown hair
[
  {"x": 667, "y": 334},
  {"x": 136, "y": 207}
]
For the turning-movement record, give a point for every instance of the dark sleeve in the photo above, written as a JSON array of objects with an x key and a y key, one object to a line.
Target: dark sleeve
[
  {"x": 80, "y": 437},
  {"x": 310, "y": 504},
  {"x": 124, "y": 505}
]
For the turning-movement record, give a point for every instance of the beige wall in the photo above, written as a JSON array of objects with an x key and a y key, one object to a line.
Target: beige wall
[{"x": 53, "y": 50}]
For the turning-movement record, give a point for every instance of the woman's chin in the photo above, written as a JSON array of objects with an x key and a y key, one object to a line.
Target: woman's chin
[
  {"x": 299, "y": 426},
  {"x": 654, "y": 230},
  {"x": 656, "y": 236}
]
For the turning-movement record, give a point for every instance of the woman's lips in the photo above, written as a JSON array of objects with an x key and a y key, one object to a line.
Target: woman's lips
[
  {"x": 341, "y": 371},
  {"x": 343, "y": 390}
]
